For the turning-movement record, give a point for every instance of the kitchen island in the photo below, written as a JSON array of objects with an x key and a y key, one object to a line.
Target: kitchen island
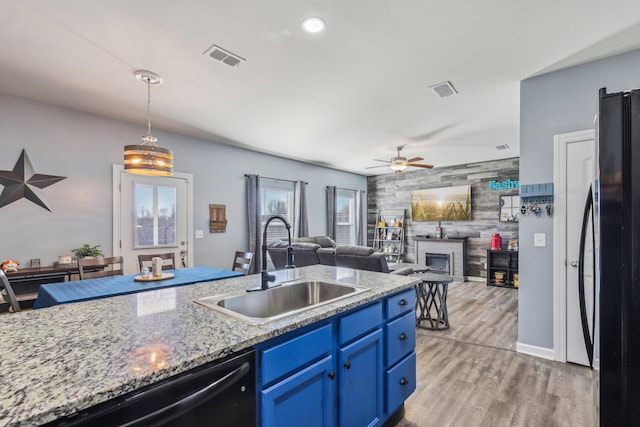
[{"x": 60, "y": 360}]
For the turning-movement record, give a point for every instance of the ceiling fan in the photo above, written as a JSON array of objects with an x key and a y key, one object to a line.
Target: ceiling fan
[{"x": 399, "y": 163}]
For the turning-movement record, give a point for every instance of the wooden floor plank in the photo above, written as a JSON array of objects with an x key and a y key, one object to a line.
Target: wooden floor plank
[{"x": 470, "y": 375}]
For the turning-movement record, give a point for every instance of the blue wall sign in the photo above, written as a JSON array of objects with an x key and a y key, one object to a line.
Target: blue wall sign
[{"x": 504, "y": 185}]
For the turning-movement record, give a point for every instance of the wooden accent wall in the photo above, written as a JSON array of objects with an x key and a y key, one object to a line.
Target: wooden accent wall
[{"x": 393, "y": 191}]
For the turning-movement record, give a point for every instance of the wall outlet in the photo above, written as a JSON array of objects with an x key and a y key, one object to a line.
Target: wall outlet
[
  {"x": 199, "y": 234},
  {"x": 540, "y": 240}
]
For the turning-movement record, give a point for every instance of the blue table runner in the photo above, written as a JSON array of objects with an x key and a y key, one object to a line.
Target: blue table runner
[{"x": 103, "y": 287}]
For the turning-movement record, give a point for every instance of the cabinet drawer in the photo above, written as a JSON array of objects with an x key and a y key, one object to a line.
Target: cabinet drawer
[
  {"x": 401, "y": 303},
  {"x": 294, "y": 354},
  {"x": 360, "y": 322},
  {"x": 401, "y": 337},
  {"x": 401, "y": 382}
]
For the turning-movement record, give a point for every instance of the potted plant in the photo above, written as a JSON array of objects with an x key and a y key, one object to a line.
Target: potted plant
[{"x": 86, "y": 251}]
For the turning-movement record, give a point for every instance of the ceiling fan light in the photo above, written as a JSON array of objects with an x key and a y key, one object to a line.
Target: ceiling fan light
[
  {"x": 398, "y": 166},
  {"x": 314, "y": 24}
]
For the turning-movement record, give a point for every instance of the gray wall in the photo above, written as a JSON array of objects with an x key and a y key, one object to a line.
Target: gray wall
[
  {"x": 393, "y": 191},
  {"x": 555, "y": 103},
  {"x": 83, "y": 148}
]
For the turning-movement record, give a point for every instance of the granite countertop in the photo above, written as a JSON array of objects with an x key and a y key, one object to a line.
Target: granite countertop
[{"x": 62, "y": 359}]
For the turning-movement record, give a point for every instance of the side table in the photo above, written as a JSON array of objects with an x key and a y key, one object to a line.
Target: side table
[{"x": 431, "y": 300}]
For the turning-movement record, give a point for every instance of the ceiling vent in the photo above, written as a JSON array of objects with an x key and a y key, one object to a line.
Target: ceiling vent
[
  {"x": 443, "y": 89},
  {"x": 223, "y": 55},
  {"x": 502, "y": 147}
]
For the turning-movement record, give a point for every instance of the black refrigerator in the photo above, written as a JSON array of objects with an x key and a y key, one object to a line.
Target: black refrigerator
[{"x": 619, "y": 257}]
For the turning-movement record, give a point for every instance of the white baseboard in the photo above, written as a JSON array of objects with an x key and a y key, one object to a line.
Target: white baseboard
[
  {"x": 476, "y": 279},
  {"x": 532, "y": 350}
]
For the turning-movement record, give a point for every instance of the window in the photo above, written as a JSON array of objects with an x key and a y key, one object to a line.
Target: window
[
  {"x": 155, "y": 207},
  {"x": 346, "y": 217},
  {"x": 277, "y": 198}
]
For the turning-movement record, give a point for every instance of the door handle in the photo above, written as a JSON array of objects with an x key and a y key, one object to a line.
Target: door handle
[
  {"x": 574, "y": 264},
  {"x": 587, "y": 335}
]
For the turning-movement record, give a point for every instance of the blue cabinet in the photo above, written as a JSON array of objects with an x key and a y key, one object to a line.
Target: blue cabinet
[
  {"x": 361, "y": 381},
  {"x": 400, "y": 375},
  {"x": 303, "y": 399},
  {"x": 401, "y": 337},
  {"x": 401, "y": 382},
  {"x": 355, "y": 369}
]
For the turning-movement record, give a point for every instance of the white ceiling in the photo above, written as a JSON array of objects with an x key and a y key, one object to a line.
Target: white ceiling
[{"x": 341, "y": 98}]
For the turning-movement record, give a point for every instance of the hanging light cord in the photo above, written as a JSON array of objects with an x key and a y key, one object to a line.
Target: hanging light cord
[{"x": 149, "y": 138}]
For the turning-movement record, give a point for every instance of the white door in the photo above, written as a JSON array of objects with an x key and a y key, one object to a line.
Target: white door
[
  {"x": 580, "y": 169},
  {"x": 151, "y": 215}
]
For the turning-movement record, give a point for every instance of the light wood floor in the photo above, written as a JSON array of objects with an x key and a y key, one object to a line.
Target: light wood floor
[{"x": 470, "y": 375}]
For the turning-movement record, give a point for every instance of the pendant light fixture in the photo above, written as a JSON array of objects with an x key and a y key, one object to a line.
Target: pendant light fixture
[{"x": 148, "y": 158}]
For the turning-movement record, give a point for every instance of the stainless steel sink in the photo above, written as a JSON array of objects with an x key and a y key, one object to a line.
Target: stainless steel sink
[{"x": 293, "y": 297}]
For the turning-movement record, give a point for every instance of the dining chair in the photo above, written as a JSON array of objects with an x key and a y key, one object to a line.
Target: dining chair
[
  {"x": 242, "y": 262},
  {"x": 7, "y": 293},
  {"x": 168, "y": 260},
  {"x": 97, "y": 267}
]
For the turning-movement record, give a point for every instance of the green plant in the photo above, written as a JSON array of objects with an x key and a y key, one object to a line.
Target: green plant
[{"x": 88, "y": 251}]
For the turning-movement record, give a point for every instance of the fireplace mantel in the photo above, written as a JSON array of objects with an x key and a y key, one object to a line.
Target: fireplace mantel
[{"x": 455, "y": 248}]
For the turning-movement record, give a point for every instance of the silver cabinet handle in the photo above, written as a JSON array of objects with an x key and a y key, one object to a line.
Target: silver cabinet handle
[{"x": 574, "y": 264}]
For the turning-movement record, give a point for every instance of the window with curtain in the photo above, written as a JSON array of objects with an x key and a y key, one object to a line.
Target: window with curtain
[
  {"x": 155, "y": 207},
  {"x": 277, "y": 198},
  {"x": 346, "y": 207}
]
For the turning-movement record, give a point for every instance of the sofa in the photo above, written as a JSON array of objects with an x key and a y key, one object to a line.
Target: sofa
[
  {"x": 323, "y": 250},
  {"x": 306, "y": 251}
]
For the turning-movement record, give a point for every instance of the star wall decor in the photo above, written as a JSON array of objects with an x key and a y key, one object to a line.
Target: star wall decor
[{"x": 22, "y": 181}]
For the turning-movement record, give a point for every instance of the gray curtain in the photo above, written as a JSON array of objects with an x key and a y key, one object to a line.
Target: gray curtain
[
  {"x": 331, "y": 212},
  {"x": 301, "y": 222},
  {"x": 253, "y": 217},
  {"x": 360, "y": 218}
]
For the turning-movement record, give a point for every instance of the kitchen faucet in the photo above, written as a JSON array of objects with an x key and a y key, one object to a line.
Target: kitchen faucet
[{"x": 266, "y": 277}]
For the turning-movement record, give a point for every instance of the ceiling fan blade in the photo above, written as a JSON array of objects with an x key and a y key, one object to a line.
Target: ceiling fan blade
[
  {"x": 373, "y": 167},
  {"x": 418, "y": 165},
  {"x": 378, "y": 160},
  {"x": 415, "y": 159}
]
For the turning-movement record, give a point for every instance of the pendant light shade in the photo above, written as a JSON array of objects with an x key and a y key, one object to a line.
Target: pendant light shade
[{"x": 148, "y": 158}]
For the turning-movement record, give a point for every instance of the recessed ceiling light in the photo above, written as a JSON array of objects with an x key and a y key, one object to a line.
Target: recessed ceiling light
[{"x": 313, "y": 24}]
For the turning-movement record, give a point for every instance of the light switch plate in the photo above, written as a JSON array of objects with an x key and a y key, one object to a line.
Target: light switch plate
[
  {"x": 540, "y": 240},
  {"x": 199, "y": 234}
]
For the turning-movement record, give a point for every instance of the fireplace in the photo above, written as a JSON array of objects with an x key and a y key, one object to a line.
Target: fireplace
[
  {"x": 454, "y": 250},
  {"x": 438, "y": 263}
]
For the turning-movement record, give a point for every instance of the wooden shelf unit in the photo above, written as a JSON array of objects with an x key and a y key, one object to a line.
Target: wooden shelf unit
[{"x": 389, "y": 238}]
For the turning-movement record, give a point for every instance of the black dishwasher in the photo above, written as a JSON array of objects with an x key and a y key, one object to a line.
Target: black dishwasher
[{"x": 219, "y": 393}]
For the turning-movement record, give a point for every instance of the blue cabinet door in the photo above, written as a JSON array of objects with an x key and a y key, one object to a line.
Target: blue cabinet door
[
  {"x": 303, "y": 399},
  {"x": 360, "y": 368}
]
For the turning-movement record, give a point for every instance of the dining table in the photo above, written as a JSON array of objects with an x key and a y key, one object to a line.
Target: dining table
[{"x": 104, "y": 287}]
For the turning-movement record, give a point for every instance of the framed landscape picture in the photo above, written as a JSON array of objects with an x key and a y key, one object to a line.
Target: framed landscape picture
[{"x": 441, "y": 204}]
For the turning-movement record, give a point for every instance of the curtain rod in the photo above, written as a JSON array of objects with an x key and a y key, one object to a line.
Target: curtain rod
[
  {"x": 246, "y": 175},
  {"x": 348, "y": 189}
]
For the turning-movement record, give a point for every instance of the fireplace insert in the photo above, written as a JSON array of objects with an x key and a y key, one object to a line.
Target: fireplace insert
[{"x": 438, "y": 263}]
